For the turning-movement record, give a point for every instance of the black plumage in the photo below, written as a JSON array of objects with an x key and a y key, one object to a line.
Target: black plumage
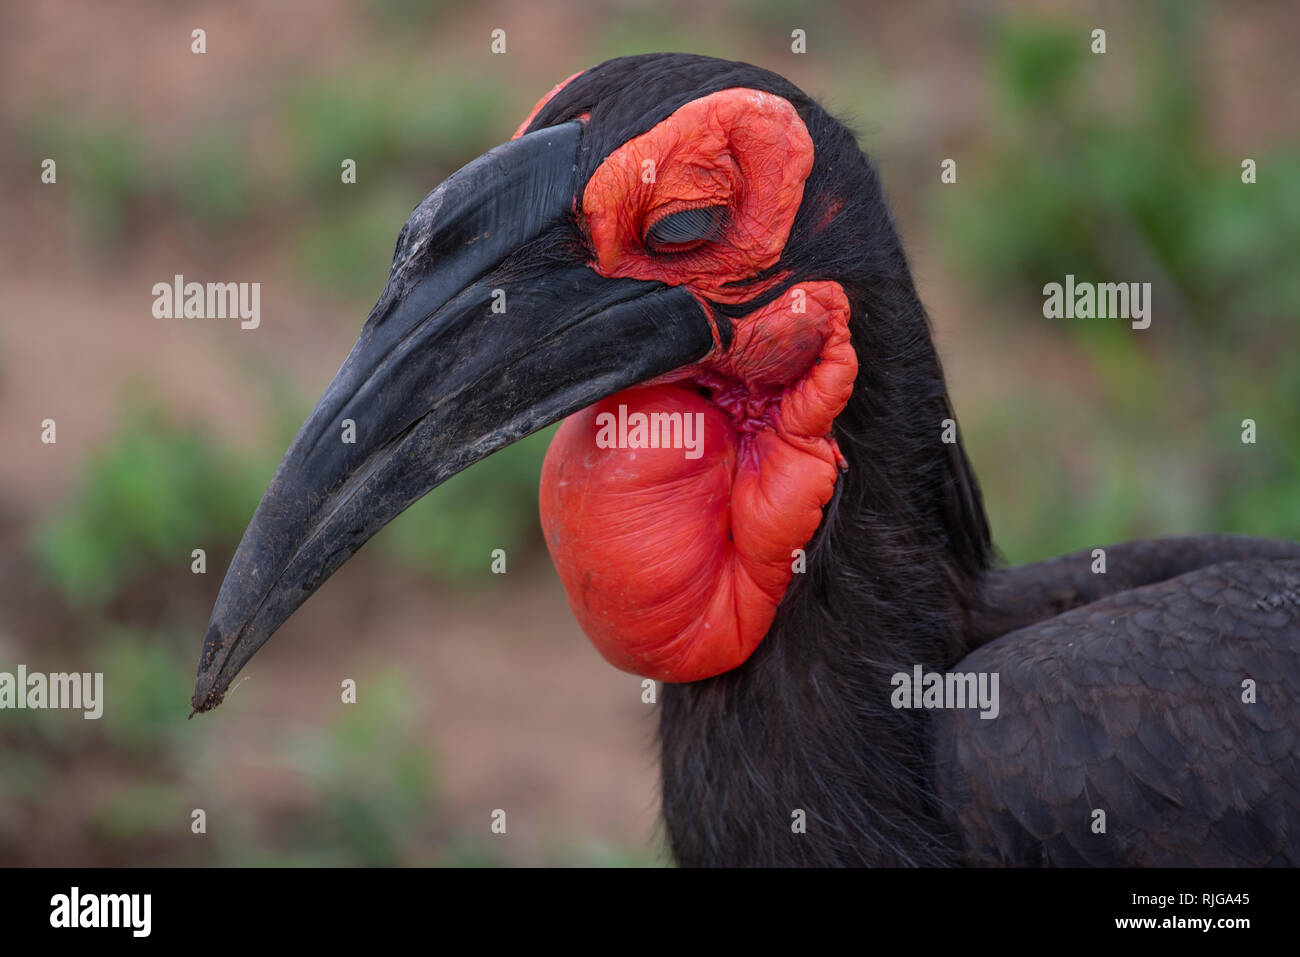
[
  {"x": 1121, "y": 692},
  {"x": 1138, "y": 702}
]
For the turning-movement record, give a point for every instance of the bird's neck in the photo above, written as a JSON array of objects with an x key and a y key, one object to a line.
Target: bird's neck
[{"x": 798, "y": 756}]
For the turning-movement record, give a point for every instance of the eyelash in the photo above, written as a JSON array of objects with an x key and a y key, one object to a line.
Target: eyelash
[
  {"x": 667, "y": 250},
  {"x": 713, "y": 231}
]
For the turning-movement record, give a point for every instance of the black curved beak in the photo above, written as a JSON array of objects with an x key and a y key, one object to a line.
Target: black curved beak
[{"x": 484, "y": 334}]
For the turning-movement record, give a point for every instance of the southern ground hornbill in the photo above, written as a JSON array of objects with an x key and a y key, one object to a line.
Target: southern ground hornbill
[{"x": 697, "y": 245}]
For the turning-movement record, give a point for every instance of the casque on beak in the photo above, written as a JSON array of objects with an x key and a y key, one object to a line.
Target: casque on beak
[{"x": 438, "y": 380}]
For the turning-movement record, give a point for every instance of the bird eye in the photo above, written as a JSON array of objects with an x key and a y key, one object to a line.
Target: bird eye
[{"x": 686, "y": 228}]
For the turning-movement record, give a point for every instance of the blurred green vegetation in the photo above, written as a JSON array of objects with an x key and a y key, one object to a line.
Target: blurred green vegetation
[
  {"x": 1071, "y": 186},
  {"x": 404, "y": 138},
  {"x": 158, "y": 490},
  {"x": 1104, "y": 190},
  {"x": 369, "y": 771},
  {"x": 161, "y": 488},
  {"x": 451, "y": 532},
  {"x": 102, "y": 163},
  {"x": 220, "y": 183},
  {"x": 374, "y": 776}
]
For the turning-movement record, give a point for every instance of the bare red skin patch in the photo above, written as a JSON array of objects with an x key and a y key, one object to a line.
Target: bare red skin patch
[
  {"x": 674, "y": 566},
  {"x": 676, "y": 558},
  {"x": 740, "y": 148}
]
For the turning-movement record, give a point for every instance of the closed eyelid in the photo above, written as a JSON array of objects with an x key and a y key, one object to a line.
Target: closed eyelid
[
  {"x": 701, "y": 223},
  {"x": 713, "y": 151}
]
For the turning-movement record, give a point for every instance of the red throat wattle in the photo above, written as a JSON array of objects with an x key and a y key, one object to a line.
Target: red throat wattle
[{"x": 675, "y": 511}]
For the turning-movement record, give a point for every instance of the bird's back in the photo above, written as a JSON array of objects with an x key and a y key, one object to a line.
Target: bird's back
[{"x": 1147, "y": 715}]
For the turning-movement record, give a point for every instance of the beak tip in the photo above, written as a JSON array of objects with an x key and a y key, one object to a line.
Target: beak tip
[
  {"x": 206, "y": 697},
  {"x": 206, "y": 693}
]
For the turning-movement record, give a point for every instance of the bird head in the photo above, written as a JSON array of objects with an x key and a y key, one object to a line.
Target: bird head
[{"x": 670, "y": 256}]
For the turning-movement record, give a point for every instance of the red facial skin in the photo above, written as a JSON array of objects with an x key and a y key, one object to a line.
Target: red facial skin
[
  {"x": 674, "y": 566},
  {"x": 738, "y": 148}
]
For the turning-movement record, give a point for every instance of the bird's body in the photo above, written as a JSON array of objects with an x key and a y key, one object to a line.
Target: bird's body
[
  {"x": 682, "y": 236},
  {"x": 1120, "y": 692},
  {"x": 1169, "y": 706}
]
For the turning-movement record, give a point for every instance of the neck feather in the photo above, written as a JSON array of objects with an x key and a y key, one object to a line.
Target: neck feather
[{"x": 806, "y": 723}]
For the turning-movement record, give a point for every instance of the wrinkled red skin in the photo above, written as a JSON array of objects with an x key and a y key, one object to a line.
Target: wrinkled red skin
[
  {"x": 743, "y": 149},
  {"x": 674, "y": 566}
]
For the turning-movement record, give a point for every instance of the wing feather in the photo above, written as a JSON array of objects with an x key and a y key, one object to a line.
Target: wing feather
[{"x": 1134, "y": 704}]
